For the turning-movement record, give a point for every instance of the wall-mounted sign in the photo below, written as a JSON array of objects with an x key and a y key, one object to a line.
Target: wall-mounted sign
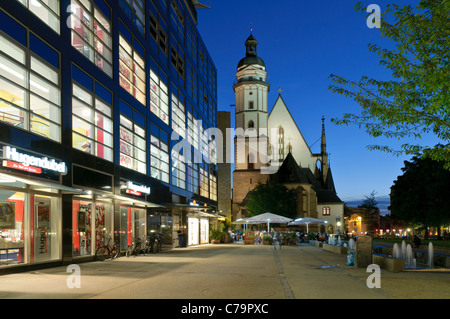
[
  {"x": 17, "y": 160},
  {"x": 137, "y": 189}
]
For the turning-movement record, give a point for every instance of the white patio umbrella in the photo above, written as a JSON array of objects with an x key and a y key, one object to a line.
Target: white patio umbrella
[
  {"x": 306, "y": 221},
  {"x": 268, "y": 218}
]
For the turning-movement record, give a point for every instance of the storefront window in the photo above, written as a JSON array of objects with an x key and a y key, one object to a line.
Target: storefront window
[
  {"x": 132, "y": 225},
  {"x": 30, "y": 224},
  {"x": 12, "y": 235},
  {"x": 89, "y": 233},
  {"x": 45, "y": 216}
]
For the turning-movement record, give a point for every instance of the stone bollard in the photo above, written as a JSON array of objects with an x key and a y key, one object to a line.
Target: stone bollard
[{"x": 363, "y": 254}]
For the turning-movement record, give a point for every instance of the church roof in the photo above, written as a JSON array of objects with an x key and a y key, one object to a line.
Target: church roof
[
  {"x": 291, "y": 173},
  {"x": 250, "y": 60}
]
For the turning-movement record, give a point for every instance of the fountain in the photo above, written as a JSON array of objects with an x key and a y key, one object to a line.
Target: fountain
[
  {"x": 396, "y": 251},
  {"x": 430, "y": 255},
  {"x": 403, "y": 250},
  {"x": 410, "y": 262},
  {"x": 351, "y": 244}
]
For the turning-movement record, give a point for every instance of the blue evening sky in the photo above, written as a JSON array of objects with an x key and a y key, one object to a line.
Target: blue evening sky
[{"x": 302, "y": 42}]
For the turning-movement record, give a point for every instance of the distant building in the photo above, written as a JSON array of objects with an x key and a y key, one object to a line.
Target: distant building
[
  {"x": 278, "y": 136},
  {"x": 356, "y": 224}
]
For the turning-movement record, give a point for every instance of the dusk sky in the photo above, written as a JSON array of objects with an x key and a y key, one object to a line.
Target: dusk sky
[{"x": 302, "y": 42}]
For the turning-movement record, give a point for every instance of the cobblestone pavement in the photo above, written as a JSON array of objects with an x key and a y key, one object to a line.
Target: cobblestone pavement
[{"x": 228, "y": 272}]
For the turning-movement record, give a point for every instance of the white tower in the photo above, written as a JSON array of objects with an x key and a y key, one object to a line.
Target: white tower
[{"x": 251, "y": 92}]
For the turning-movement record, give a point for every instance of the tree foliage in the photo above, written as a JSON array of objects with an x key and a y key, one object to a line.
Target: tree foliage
[
  {"x": 416, "y": 101},
  {"x": 370, "y": 212},
  {"x": 274, "y": 198},
  {"x": 421, "y": 195}
]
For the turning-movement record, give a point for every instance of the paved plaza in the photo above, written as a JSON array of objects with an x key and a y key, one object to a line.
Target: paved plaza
[{"x": 226, "y": 271}]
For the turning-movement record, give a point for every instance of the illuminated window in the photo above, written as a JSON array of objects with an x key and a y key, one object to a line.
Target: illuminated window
[
  {"x": 193, "y": 129},
  {"x": 46, "y": 10},
  {"x": 91, "y": 34},
  {"x": 92, "y": 123},
  {"x": 178, "y": 116},
  {"x": 193, "y": 184},
  {"x": 326, "y": 211},
  {"x": 131, "y": 70},
  {"x": 204, "y": 183},
  {"x": 159, "y": 150},
  {"x": 178, "y": 169},
  {"x": 159, "y": 98},
  {"x": 30, "y": 95},
  {"x": 133, "y": 154},
  {"x": 213, "y": 182}
]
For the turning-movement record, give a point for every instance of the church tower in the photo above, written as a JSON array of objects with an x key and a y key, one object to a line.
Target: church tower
[
  {"x": 251, "y": 92},
  {"x": 251, "y": 139}
]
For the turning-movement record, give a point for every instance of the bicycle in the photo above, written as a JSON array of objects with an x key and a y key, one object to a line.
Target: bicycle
[
  {"x": 155, "y": 243},
  {"x": 134, "y": 248},
  {"x": 107, "y": 251},
  {"x": 148, "y": 245}
]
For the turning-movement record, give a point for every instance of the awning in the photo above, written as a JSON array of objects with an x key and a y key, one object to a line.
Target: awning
[
  {"x": 136, "y": 201},
  {"x": 34, "y": 182}
]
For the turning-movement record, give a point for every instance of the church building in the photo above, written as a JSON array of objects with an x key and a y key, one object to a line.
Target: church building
[{"x": 273, "y": 140}]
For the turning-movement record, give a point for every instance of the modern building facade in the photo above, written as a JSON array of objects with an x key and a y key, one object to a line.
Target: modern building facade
[{"x": 104, "y": 112}]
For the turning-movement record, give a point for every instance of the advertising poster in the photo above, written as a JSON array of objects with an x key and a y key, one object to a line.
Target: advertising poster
[{"x": 7, "y": 215}]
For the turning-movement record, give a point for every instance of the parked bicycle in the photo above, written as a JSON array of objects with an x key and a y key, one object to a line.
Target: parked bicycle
[
  {"x": 135, "y": 248},
  {"x": 107, "y": 251}
]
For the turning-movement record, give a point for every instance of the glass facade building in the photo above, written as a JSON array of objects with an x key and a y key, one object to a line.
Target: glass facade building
[{"x": 96, "y": 97}]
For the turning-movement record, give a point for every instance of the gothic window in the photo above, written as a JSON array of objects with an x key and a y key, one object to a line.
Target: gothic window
[
  {"x": 251, "y": 161},
  {"x": 251, "y": 105},
  {"x": 326, "y": 211},
  {"x": 281, "y": 141},
  {"x": 251, "y": 124}
]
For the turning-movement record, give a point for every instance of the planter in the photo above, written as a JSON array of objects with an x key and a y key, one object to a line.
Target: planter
[
  {"x": 215, "y": 241},
  {"x": 267, "y": 243},
  {"x": 249, "y": 241}
]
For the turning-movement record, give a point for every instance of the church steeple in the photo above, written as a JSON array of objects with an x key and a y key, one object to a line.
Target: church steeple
[
  {"x": 251, "y": 54},
  {"x": 323, "y": 151},
  {"x": 324, "y": 139},
  {"x": 251, "y": 44}
]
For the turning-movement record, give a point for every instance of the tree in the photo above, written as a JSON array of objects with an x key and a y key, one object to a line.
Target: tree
[
  {"x": 416, "y": 101},
  {"x": 370, "y": 212},
  {"x": 420, "y": 196},
  {"x": 274, "y": 198}
]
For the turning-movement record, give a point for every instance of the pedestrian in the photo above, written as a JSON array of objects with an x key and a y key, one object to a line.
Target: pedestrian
[
  {"x": 280, "y": 239},
  {"x": 180, "y": 238}
]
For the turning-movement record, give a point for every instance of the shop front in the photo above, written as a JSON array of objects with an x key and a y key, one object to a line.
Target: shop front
[
  {"x": 111, "y": 216},
  {"x": 30, "y": 208}
]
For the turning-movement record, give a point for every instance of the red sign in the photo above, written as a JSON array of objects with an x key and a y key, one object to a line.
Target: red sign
[
  {"x": 132, "y": 192},
  {"x": 22, "y": 167}
]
